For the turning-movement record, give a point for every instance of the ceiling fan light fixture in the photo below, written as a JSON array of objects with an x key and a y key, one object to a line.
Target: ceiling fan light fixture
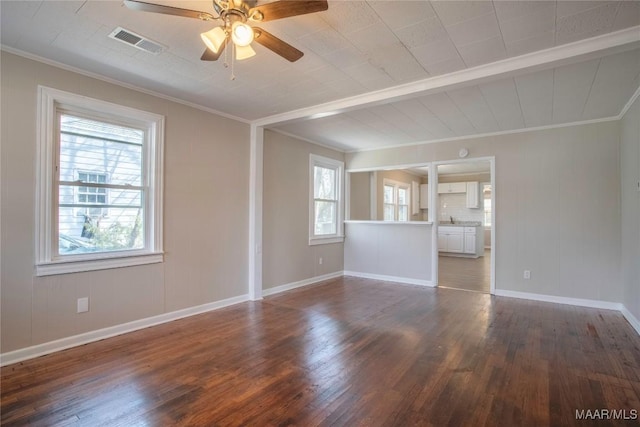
[
  {"x": 244, "y": 52},
  {"x": 241, "y": 34},
  {"x": 214, "y": 38}
]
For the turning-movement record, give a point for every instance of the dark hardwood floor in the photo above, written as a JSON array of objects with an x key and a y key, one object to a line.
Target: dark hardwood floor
[
  {"x": 470, "y": 274},
  {"x": 347, "y": 352}
]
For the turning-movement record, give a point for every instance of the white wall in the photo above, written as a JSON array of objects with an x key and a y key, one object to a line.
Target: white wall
[
  {"x": 205, "y": 217},
  {"x": 286, "y": 254},
  {"x": 389, "y": 250},
  {"x": 630, "y": 175},
  {"x": 557, "y": 205}
]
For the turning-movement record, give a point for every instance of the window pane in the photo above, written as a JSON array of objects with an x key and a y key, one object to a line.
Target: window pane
[
  {"x": 123, "y": 229},
  {"x": 388, "y": 194},
  {"x": 402, "y": 196},
  {"x": 389, "y": 212},
  {"x": 101, "y": 150},
  {"x": 324, "y": 183},
  {"x": 403, "y": 213},
  {"x": 325, "y": 218}
]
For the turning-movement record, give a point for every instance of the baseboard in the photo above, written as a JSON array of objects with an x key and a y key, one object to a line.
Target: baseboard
[
  {"x": 100, "y": 334},
  {"x": 301, "y": 283},
  {"x": 607, "y": 305},
  {"x": 633, "y": 320},
  {"x": 385, "y": 278}
]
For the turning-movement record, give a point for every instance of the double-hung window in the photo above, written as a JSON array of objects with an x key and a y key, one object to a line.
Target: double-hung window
[
  {"x": 395, "y": 200},
  {"x": 99, "y": 186},
  {"x": 326, "y": 201}
]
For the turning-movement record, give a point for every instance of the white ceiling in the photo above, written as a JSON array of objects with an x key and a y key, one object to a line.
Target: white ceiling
[{"x": 354, "y": 49}]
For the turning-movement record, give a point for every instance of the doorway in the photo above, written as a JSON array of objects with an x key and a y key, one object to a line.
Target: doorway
[{"x": 464, "y": 217}]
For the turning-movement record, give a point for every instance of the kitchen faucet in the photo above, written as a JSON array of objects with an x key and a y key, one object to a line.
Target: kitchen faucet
[{"x": 452, "y": 221}]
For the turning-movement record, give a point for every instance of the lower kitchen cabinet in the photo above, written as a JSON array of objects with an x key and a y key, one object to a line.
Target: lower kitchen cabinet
[
  {"x": 451, "y": 239},
  {"x": 461, "y": 239}
]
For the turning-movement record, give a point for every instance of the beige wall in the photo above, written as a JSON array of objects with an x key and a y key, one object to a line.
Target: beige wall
[
  {"x": 630, "y": 175},
  {"x": 287, "y": 256},
  {"x": 360, "y": 196},
  {"x": 205, "y": 217},
  {"x": 557, "y": 205}
]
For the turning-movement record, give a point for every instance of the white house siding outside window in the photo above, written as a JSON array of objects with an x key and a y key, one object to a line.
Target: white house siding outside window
[
  {"x": 90, "y": 152},
  {"x": 99, "y": 186},
  {"x": 326, "y": 200}
]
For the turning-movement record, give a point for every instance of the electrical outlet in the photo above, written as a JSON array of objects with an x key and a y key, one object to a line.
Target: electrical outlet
[
  {"x": 320, "y": 261},
  {"x": 83, "y": 305},
  {"x": 527, "y": 274}
]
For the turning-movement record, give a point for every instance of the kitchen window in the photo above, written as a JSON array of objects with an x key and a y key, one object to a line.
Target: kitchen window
[
  {"x": 396, "y": 201},
  {"x": 99, "y": 185},
  {"x": 326, "y": 200}
]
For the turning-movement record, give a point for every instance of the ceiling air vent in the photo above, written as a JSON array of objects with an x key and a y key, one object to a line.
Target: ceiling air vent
[{"x": 136, "y": 40}]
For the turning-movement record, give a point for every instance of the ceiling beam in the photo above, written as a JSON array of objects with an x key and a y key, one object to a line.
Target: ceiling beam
[{"x": 582, "y": 50}]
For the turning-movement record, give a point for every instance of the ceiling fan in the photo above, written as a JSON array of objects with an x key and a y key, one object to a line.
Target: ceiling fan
[{"x": 234, "y": 15}]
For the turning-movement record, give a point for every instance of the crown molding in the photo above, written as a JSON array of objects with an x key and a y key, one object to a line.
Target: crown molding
[
  {"x": 490, "y": 134},
  {"x": 116, "y": 82},
  {"x": 629, "y": 103}
]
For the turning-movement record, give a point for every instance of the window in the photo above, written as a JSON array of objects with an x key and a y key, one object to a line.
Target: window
[
  {"x": 396, "y": 201},
  {"x": 325, "y": 210},
  {"x": 389, "y": 203},
  {"x": 486, "y": 195},
  {"x": 92, "y": 195},
  {"x": 99, "y": 185}
]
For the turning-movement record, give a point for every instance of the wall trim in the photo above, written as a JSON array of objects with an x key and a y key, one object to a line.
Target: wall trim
[
  {"x": 120, "y": 83},
  {"x": 301, "y": 283},
  {"x": 629, "y": 104},
  {"x": 383, "y": 277},
  {"x": 633, "y": 320},
  {"x": 112, "y": 331},
  {"x": 490, "y": 134},
  {"x": 606, "y": 305}
]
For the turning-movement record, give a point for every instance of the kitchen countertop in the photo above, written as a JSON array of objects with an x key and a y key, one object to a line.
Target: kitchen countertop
[{"x": 461, "y": 224}]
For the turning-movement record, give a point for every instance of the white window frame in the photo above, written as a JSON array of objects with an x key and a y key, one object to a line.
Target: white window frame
[
  {"x": 338, "y": 166},
  {"x": 396, "y": 205},
  {"x": 48, "y": 262}
]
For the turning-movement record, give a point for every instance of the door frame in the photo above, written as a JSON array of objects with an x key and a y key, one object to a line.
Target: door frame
[{"x": 434, "y": 214}]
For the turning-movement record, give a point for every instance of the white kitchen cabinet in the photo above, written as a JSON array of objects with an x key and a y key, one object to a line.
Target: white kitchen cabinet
[
  {"x": 451, "y": 239},
  {"x": 452, "y": 187},
  {"x": 469, "y": 242},
  {"x": 473, "y": 194},
  {"x": 425, "y": 196}
]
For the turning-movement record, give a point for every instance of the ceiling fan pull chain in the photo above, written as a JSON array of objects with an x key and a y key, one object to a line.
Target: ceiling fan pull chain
[{"x": 233, "y": 56}]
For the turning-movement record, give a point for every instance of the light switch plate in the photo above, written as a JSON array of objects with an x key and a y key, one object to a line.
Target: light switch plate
[{"x": 83, "y": 305}]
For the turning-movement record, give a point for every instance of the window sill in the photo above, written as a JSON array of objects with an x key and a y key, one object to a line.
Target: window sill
[
  {"x": 76, "y": 266},
  {"x": 325, "y": 240}
]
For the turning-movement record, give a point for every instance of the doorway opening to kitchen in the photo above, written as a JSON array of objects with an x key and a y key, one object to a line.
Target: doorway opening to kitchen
[{"x": 464, "y": 216}]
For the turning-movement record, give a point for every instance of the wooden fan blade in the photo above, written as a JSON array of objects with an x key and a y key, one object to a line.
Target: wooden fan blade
[
  {"x": 210, "y": 55},
  {"x": 277, "y": 45},
  {"x": 168, "y": 10},
  {"x": 286, "y": 8}
]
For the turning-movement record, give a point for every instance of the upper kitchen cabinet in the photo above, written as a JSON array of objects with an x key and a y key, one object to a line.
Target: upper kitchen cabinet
[
  {"x": 452, "y": 187},
  {"x": 473, "y": 195},
  {"x": 425, "y": 196}
]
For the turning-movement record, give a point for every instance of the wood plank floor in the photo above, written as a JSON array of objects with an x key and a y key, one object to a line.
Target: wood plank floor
[
  {"x": 348, "y": 352},
  {"x": 470, "y": 274}
]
